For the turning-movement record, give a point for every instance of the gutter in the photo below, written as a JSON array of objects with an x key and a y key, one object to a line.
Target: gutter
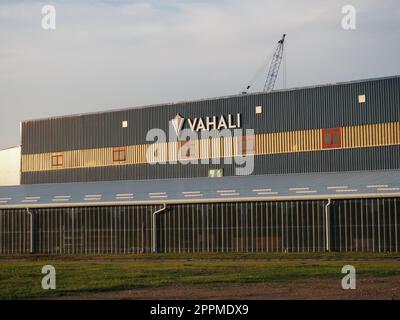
[
  {"x": 206, "y": 200},
  {"x": 154, "y": 226}
]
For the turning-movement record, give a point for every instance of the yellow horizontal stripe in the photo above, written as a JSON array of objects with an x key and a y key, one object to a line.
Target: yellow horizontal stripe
[{"x": 363, "y": 136}]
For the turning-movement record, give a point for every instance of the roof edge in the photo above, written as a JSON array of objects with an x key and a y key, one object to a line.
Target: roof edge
[{"x": 212, "y": 98}]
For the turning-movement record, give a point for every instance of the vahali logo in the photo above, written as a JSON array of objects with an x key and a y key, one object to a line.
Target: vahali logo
[
  {"x": 208, "y": 123},
  {"x": 177, "y": 122}
]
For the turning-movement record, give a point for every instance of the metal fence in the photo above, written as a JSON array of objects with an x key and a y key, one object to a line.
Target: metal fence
[
  {"x": 291, "y": 226},
  {"x": 286, "y": 226},
  {"x": 365, "y": 225},
  {"x": 15, "y": 231}
]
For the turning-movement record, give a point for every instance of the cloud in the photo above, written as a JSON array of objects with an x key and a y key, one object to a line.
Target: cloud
[{"x": 112, "y": 54}]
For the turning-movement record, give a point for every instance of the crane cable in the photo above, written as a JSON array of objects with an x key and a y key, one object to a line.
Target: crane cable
[
  {"x": 264, "y": 67},
  {"x": 271, "y": 65}
]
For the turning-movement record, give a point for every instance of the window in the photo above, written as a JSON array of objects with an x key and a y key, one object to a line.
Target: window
[
  {"x": 362, "y": 99},
  {"x": 124, "y": 124},
  {"x": 246, "y": 145},
  {"x": 187, "y": 150},
  {"x": 119, "y": 154},
  {"x": 332, "y": 138},
  {"x": 258, "y": 109},
  {"x": 57, "y": 160},
  {"x": 215, "y": 173}
]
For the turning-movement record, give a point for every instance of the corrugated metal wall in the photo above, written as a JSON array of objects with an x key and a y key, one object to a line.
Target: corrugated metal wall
[
  {"x": 380, "y": 158},
  {"x": 302, "y": 109},
  {"x": 364, "y": 136},
  {"x": 368, "y": 225}
]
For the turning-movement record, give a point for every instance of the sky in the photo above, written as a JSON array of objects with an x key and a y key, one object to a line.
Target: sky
[{"x": 106, "y": 55}]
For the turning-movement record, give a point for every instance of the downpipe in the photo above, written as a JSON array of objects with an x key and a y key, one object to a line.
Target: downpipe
[
  {"x": 32, "y": 228},
  {"x": 327, "y": 225},
  {"x": 154, "y": 226}
]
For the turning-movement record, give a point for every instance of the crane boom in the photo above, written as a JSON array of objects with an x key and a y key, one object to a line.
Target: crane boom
[
  {"x": 274, "y": 66},
  {"x": 273, "y": 70}
]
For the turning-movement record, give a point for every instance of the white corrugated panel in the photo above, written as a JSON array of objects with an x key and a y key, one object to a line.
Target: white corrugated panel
[{"x": 10, "y": 166}]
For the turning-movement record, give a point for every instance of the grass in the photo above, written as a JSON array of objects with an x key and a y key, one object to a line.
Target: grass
[{"x": 20, "y": 276}]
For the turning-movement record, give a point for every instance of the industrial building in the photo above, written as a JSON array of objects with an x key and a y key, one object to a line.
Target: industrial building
[{"x": 325, "y": 176}]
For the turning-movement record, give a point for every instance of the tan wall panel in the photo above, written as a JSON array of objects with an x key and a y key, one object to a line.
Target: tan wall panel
[{"x": 265, "y": 143}]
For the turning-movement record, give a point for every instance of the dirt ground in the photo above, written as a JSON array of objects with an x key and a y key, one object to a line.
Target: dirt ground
[{"x": 385, "y": 288}]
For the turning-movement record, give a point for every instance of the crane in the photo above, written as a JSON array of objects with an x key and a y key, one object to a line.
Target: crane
[{"x": 273, "y": 71}]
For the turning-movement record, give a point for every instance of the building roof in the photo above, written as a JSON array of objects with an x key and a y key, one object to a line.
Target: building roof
[{"x": 343, "y": 185}]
